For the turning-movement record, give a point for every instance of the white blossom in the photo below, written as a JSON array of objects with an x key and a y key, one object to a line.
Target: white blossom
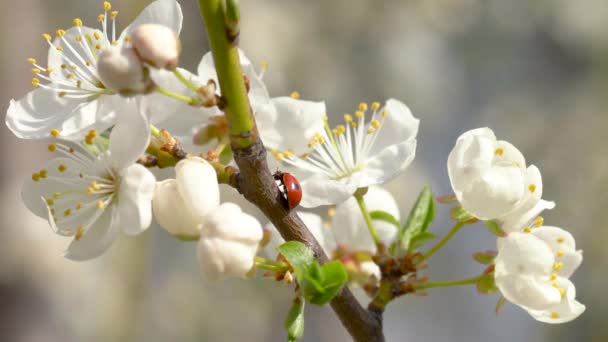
[
  {"x": 489, "y": 177},
  {"x": 157, "y": 45},
  {"x": 181, "y": 204},
  {"x": 353, "y": 155},
  {"x": 532, "y": 270},
  {"x": 229, "y": 242},
  {"x": 70, "y": 95},
  {"x": 121, "y": 70},
  {"x": 91, "y": 193}
]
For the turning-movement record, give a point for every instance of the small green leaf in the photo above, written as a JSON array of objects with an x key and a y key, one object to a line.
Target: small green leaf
[
  {"x": 460, "y": 215},
  {"x": 386, "y": 217},
  {"x": 494, "y": 228},
  {"x": 226, "y": 155},
  {"x": 334, "y": 276},
  {"x": 294, "y": 324},
  {"x": 499, "y": 304},
  {"x": 299, "y": 256},
  {"x": 487, "y": 285},
  {"x": 420, "y": 218},
  {"x": 421, "y": 239},
  {"x": 485, "y": 258}
]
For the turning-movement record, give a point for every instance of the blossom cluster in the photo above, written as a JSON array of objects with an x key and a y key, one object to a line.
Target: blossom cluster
[{"x": 102, "y": 97}]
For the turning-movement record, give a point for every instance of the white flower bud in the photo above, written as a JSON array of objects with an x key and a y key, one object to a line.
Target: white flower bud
[
  {"x": 121, "y": 70},
  {"x": 180, "y": 205},
  {"x": 157, "y": 45},
  {"x": 229, "y": 242},
  {"x": 489, "y": 176}
]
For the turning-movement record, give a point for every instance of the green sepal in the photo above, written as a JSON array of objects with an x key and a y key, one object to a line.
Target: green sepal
[
  {"x": 294, "y": 323},
  {"x": 485, "y": 258},
  {"x": 494, "y": 228},
  {"x": 486, "y": 284},
  {"x": 458, "y": 214},
  {"x": 226, "y": 155}
]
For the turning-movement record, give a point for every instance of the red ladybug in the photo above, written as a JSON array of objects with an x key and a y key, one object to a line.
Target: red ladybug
[{"x": 290, "y": 187}]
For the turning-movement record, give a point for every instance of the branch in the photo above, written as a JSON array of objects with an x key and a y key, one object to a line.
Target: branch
[{"x": 255, "y": 180}]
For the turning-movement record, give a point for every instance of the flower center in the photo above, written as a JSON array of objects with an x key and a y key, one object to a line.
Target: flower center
[
  {"x": 80, "y": 184},
  {"x": 342, "y": 151},
  {"x": 72, "y": 69}
]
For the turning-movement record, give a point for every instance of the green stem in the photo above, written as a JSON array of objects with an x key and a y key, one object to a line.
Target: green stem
[
  {"x": 368, "y": 219},
  {"x": 467, "y": 281},
  {"x": 228, "y": 66},
  {"x": 444, "y": 240},
  {"x": 154, "y": 131},
  {"x": 187, "y": 99},
  {"x": 185, "y": 81},
  {"x": 269, "y": 265}
]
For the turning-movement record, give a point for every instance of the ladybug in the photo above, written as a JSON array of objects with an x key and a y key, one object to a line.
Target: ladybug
[{"x": 290, "y": 188}]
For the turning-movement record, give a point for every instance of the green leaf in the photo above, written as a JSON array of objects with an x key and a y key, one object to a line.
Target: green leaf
[
  {"x": 299, "y": 256},
  {"x": 487, "y": 284},
  {"x": 421, "y": 239},
  {"x": 460, "y": 215},
  {"x": 226, "y": 155},
  {"x": 420, "y": 218},
  {"x": 294, "y": 324},
  {"x": 386, "y": 217},
  {"x": 334, "y": 276},
  {"x": 494, "y": 228},
  {"x": 485, "y": 258}
]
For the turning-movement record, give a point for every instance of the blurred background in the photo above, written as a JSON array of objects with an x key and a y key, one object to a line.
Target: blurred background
[{"x": 536, "y": 72}]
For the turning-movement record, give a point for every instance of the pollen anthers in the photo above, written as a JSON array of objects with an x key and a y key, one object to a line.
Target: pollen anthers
[
  {"x": 78, "y": 48},
  {"x": 342, "y": 150},
  {"x": 89, "y": 186}
]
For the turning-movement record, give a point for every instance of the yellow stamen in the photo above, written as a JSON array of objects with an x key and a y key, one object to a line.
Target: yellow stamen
[
  {"x": 348, "y": 118},
  {"x": 100, "y": 204},
  {"x": 113, "y": 14},
  {"x": 59, "y": 48},
  {"x": 532, "y": 188},
  {"x": 67, "y": 212},
  {"x": 264, "y": 66},
  {"x": 63, "y": 66},
  {"x": 52, "y": 147},
  {"x": 36, "y": 71},
  {"x": 280, "y": 156},
  {"x": 375, "y": 123},
  {"x": 107, "y": 5},
  {"x": 62, "y": 168},
  {"x": 538, "y": 221},
  {"x": 90, "y": 191},
  {"x": 95, "y": 186},
  {"x": 96, "y": 35},
  {"x": 383, "y": 114},
  {"x": 70, "y": 76},
  {"x": 101, "y": 17},
  {"x": 375, "y": 106},
  {"x": 98, "y": 46},
  {"x": 62, "y": 94},
  {"x": 554, "y": 315},
  {"x": 527, "y": 230},
  {"x": 43, "y": 173},
  {"x": 78, "y": 206},
  {"x": 60, "y": 33},
  {"x": 553, "y": 276},
  {"x": 49, "y": 70},
  {"x": 35, "y": 82},
  {"x": 359, "y": 114},
  {"x": 499, "y": 151},
  {"x": 78, "y": 38},
  {"x": 554, "y": 284},
  {"x": 47, "y": 36},
  {"x": 331, "y": 212},
  {"x": 560, "y": 240},
  {"x": 77, "y": 22},
  {"x": 295, "y": 95},
  {"x": 79, "y": 233},
  {"x": 50, "y": 201},
  {"x": 363, "y": 106},
  {"x": 127, "y": 39},
  {"x": 558, "y": 266},
  {"x": 560, "y": 253},
  {"x": 31, "y": 60},
  {"x": 35, "y": 177}
]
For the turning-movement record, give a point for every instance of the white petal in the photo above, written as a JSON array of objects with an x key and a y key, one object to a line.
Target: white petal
[
  {"x": 495, "y": 193},
  {"x": 135, "y": 199},
  {"x": 386, "y": 165},
  {"x": 399, "y": 125},
  {"x": 171, "y": 212},
  {"x": 350, "y": 228},
  {"x": 528, "y": 291},
  {"x": 129, "y": 139},
  {"x": 197, "y": 183},
  {"x": 229, "y": 222},
  {"x": 41, "y": 110},
  {"x": 290, "y": 123},
  {"x": 219, "y": 258},
  {"x": 163, "y": 12},
  {"x": 523, "y": 253},
  {"x": 562, "y": 244},
  {"x": 517, "y": 220},
  {"x": 565, "y": 311},
  {"x": 97, "y": 239},
  {"x": 473, "y": 153},
  {"x": 319, "y": 190}
]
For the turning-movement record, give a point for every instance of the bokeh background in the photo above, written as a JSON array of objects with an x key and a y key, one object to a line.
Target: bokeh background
[{"x": 534, "y": 71}]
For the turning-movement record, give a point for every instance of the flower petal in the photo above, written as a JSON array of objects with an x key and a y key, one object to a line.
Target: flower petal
[
  {"x": 318, "y": 190},
  {"x": 97, "y": 239},
  {"x": 197, "y": 183},
  {"x": 473, "y": 153},
  {"x": 523, "y": 253},
  {"x": 517, "y": 220},
  {"x": 350, "y": 228},
  {"x": 386, "y": 165},
  {"x": 289, "y": 123},
  {"x": 562, "y": 244},
  {"x": 565, "y": 311},
  {"x": 528, "y": 291},
  {"x": 163, "y": 12},
  {"x": 135, "y": 199},
  {"x": 399, "y": 125},
  {"x": 129, "y": 139}
]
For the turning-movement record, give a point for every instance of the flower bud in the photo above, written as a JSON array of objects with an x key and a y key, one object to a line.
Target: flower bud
[
  {"x": 229, "y": 242},
  {"x": 156, "y": 45},
  {"x": 121, "y": 70},
  {"x": 180, "y": 205}
]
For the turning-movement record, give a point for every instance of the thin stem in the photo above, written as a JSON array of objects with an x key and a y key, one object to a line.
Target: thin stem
[
  {"x": 460, "y": 282},
  {"x": 187, "y": 99},
  {"x": 368, "y": 219},
  {"x": 185, "y": 81},
  {"x": 444, "y": 240},
  {"x": 270, "y": 265}
]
